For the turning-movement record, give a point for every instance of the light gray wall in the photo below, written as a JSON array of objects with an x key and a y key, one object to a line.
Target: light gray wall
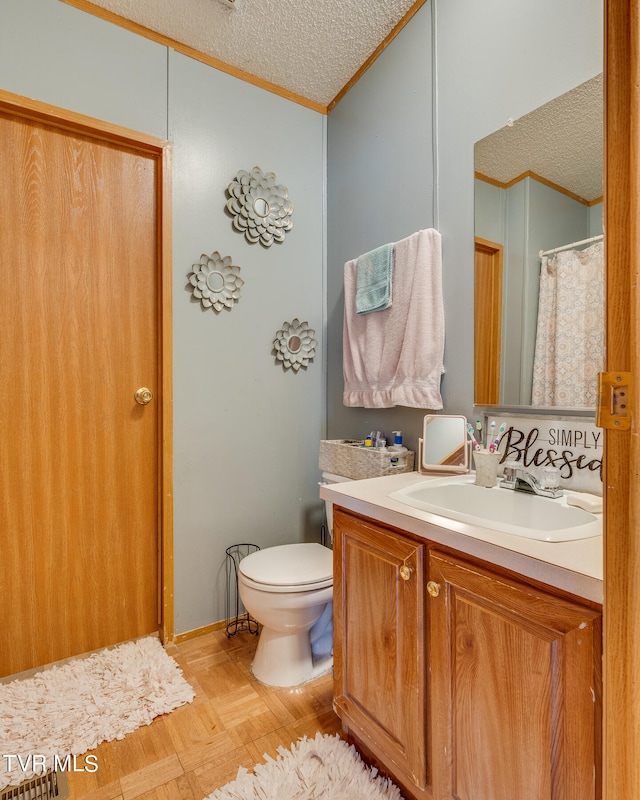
[
  {"x": 596, "y": 223},
  {"x": 380, "y": 187},
  {"x": 490, "y": 212},
  {"x": 526, "y": 218},
  {"x": 54, "y": 53},
  {"x": 246, "y": 433},
  {"x": 494, "y": 61}
]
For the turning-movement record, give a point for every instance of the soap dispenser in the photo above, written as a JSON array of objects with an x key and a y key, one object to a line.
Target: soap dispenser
[{"x": 398, "y": 451}]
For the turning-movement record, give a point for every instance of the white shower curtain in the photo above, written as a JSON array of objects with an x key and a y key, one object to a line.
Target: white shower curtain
[{"x": 570, "y": 337}]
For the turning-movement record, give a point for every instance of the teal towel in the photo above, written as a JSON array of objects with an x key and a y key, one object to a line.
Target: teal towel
[{"x": 374, "y": 280}]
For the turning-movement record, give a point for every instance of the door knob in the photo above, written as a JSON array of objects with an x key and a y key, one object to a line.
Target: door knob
[
  {"x": 405, "y": 572},
  {"x": 143, "y": 396},
  {"x": 433, "y": 588}
]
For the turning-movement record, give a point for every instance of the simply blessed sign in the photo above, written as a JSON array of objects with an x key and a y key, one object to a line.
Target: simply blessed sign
[{"x": 574, "y": 446}]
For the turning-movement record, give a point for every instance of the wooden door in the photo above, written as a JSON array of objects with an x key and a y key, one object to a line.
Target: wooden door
[
  {"x": 79, "y": 457},
  {"x": 379, "y": 645},
  {"x": 487, "y": 321},
  {"x": 516, "y": 688}
]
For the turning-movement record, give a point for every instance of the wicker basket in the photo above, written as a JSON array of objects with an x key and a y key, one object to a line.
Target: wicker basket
[{"x": 347, "y": 457}]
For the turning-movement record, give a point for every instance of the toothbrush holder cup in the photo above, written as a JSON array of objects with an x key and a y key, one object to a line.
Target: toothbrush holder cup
[{"x": 486, "y": 464}]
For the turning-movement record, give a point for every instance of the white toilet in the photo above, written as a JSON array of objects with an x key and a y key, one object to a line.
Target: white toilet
[{"x": 287, "y": 589}]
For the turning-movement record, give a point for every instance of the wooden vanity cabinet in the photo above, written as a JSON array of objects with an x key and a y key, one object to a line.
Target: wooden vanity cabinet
[
  {"x": 464, "y": 681},
  {"x": 516, "y": 685},
  {"x": 379, "y": 662}
]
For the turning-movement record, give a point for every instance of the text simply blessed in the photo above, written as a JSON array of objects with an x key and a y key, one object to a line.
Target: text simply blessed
[{"x": 558, "y": 449}]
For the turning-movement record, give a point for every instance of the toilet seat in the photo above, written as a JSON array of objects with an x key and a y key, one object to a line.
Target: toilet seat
[{"x": 288, "y": 568}]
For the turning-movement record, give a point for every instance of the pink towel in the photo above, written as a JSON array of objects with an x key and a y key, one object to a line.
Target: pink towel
[{"x": 394, "y": 357}]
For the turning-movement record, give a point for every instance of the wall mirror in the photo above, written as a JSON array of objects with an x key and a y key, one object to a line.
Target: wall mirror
[
  {"x": 538, "y": 187},
  {"x": 444, "y": 444}
]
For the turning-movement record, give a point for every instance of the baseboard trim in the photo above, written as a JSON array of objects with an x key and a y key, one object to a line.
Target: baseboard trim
[{"x": 184, "y": 637}]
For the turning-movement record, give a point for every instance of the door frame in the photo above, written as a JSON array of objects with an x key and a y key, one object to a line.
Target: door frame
[
  {"x": 161, "y": 151},
  {"x": 487, "y": 324},
  {"x": 621, "y": 478}
]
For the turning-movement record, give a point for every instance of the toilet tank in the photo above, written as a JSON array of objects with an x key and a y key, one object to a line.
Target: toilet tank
[{"x": 327, "y": 478}]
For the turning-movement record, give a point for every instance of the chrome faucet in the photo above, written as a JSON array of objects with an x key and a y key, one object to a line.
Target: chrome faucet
[{"x": 518, "y": 479}]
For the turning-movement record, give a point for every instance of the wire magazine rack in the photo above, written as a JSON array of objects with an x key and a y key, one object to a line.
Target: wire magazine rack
[{"x": 238, "y": 618}]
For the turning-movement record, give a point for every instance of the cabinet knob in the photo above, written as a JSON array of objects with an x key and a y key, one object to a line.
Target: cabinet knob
[
  {"x": 433, "y": 588},
  {"x": 405, "y": 572}
]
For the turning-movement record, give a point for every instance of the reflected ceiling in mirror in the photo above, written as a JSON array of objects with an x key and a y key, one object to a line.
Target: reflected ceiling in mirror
[
  {"x": 538, "y": 187},
  {"x": 560, "y": 142}
]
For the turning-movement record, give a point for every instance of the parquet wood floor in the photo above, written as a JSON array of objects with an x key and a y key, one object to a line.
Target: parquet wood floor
[{"x": 232, "y": 721}]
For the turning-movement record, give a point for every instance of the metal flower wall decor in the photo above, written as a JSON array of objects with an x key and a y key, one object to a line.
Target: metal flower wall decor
[
  {"x": 216, "y": 282},
  {"x": 259, "y": 206},
  {"x": 294, "y": 345}
]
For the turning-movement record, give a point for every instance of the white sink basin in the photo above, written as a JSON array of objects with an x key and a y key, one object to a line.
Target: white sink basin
[{"x": 514, "y": 512}]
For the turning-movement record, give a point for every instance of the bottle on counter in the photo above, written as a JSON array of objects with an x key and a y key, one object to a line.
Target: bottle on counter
[{"x": 398, "y": 451}]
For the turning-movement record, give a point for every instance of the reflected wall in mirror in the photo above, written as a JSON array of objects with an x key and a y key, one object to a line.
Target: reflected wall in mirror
[
  {"x": 538, "y": 189},
  {"x": 444, "y": 444}
]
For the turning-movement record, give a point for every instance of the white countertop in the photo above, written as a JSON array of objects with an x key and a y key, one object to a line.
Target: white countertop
[{"x": 575, "y": 567}]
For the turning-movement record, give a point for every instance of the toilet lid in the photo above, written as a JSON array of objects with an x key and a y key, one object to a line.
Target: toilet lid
[{"x": 289, "y": 565}]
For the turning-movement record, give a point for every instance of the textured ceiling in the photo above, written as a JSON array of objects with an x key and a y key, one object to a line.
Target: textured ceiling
[
  {"x": 311, "y": 48},
  {"x": 560, "y": 141}
]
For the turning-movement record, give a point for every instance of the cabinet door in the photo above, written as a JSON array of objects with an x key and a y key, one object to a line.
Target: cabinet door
[
  {"x": 379, "y": 647},
  {"x": 516, "y": 688}
]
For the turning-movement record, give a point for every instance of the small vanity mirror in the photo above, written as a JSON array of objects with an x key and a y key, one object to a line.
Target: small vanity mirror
[
  {"x": 294, "y": 343},
  {"x": 444, "y": 444},
  {"x": 261, "y": 207}
]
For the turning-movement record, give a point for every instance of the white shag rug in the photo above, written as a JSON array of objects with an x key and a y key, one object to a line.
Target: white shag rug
[
  {"x": 72, "y": 708},
  {"x": 323, "y": 768}
]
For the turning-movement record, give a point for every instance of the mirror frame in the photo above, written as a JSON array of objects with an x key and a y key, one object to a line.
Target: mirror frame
[{"x": 425, "y": 467}]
